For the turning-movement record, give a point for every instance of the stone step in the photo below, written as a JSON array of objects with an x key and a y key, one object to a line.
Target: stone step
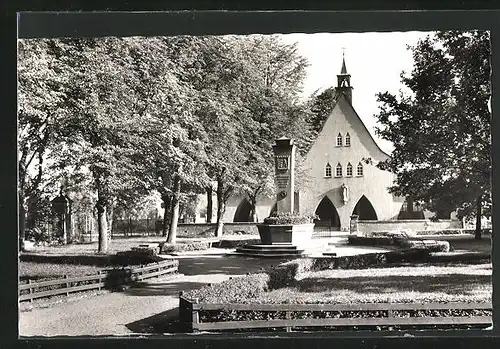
[
  {"x": 269, "y": 251},
  {"x": 265, "y": 255},
  {"x": 273, "y": 246},
  {"x": 330, "y": 254}
]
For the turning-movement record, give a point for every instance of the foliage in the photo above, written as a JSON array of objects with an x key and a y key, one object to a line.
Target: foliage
[
  {"x": 441, "y": 131},
  {"x": 191, "y": 246},
  {"x": 289, "y": 218},
  {"x": 235, "y": 290}
]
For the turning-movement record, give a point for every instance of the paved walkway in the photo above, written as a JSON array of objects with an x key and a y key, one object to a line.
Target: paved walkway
[{"x": 152, "y": 306}]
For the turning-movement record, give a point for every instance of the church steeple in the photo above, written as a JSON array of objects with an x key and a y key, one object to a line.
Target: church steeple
[{"x": 344, "y": 81}]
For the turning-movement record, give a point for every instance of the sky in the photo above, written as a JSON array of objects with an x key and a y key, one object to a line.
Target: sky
[{"x": 374, "y": 60}]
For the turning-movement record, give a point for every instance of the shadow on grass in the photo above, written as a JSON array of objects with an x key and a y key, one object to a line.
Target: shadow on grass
[
  {"x": 88, "y": 259},
  {"x": 452, "y": 284},
  {"x": 228, "y": 265},
  {"x": 161, "y": 289},
  {"x": 165, "y": 322}
]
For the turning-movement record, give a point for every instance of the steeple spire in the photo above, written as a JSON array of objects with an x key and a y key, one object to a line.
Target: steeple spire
[
  {"x": 344, "y": 69},
  {"x": 344, "y": 80}
]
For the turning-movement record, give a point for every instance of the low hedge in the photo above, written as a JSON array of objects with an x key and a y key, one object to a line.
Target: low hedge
[
  {"x": 400, "y": 241},
  {"x": 244, "y": 289},
  {"x": 192, "y": 246},
  {"x": 235, "y": 290},
  {"x": 225, "y": 315},
  {"x": 430, "y": 245},
  {"x": 370, "y": 241},
  {"x": 462, "y": 257}
]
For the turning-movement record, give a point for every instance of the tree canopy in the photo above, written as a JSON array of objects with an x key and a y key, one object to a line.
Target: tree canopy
[{"x": 441, "y": 130}]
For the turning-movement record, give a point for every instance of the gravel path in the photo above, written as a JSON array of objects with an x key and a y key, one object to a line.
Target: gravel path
[{"x": 149, "y": 307}]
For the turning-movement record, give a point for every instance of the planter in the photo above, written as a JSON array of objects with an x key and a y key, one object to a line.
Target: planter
[{"x": 293, "y": 234}]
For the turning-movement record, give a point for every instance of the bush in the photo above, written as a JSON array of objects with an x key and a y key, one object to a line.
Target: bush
[
  {"x": 38, "y": 236},
  {"x": 430, "y": 245},
  {"x": 192, "y": 246},
  {"x": 370, "y": 241},
  {"x": 278, "y": 218},
  {"x": 236, "y": 290},
  {"x": 462, "y": 257}
]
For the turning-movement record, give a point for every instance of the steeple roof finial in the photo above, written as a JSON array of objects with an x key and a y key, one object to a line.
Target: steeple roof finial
[{"x": 344, "y": 69}]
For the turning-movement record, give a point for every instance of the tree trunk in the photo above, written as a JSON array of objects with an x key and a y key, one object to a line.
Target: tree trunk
[
  {"x": 221, "y": 209},
  {"x": 110, "y": 218},
  {"x": 210, "y": 204},
  {"x": 172, "y": 235},
  {"x": 102, "y": 228},
  {"x": 253, "y": 211},
  {"x": 477, "y": 233},
  {"x": 166, "y": 204}
]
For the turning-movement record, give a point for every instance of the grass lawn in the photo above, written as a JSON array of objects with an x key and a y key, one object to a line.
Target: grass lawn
[
  {"x": 458, "y": 283},
  {"x": 468, "y": 243},
  {"x": 40, "y": 271}
]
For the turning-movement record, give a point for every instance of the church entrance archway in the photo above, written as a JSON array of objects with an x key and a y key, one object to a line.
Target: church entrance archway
[
  {"x": 243, "y": 212},
  {"x": 364, "y": 209},
  {"x": 327, "y": 214}
]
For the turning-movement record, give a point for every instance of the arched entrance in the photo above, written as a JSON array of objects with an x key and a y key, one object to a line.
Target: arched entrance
[
  {"x": 243, "y": 212},
  {"x": 365, "y": 210},
  {"x": 328, "y": 215}
]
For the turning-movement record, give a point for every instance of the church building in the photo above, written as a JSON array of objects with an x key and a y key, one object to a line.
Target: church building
[{"x": 336, "y": 182}]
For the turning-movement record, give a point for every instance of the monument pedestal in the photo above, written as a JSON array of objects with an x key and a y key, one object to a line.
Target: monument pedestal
[{"x": 293, "y": 234}]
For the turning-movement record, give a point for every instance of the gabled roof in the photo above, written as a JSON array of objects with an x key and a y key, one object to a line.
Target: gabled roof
[{"x": 336, "y": 100}]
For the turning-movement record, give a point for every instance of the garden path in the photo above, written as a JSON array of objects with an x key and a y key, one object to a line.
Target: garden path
[{"x": 148, "y": 307}]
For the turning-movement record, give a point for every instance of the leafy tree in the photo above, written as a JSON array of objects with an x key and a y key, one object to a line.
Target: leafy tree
[
  {"x": 274, "y": 73},
  {"x": 41, "y": 107},
  {"x": 100, "y": 103},
  {"x": 441, "y": 130}
]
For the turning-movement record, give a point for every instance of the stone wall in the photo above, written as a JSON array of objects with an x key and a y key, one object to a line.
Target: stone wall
[
  {"x": 414, "y": 225},
  {"x": 208, "y": 229}
]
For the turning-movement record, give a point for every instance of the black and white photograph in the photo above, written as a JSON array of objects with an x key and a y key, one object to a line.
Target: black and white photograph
[{"x": 277, "y": 183}]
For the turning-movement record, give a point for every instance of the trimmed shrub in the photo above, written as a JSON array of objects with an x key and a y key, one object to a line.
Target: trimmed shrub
[
  {"x": 453, "y": 232},
  {"x": 430, "y": 245},
  {"x": 462, "y": 257},
  {"x": 236, "y": 290},
  {"x": 192, "y": 246},
  {"x": 350, "y": 262},
  {"x": 370, "y": 241},
  {"x": 411, "y": 255},
  {"x": 284, "y": 274}
]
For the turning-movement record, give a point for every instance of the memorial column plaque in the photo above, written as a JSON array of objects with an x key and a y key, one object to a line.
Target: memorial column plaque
[{"x": 284, "y": 153}]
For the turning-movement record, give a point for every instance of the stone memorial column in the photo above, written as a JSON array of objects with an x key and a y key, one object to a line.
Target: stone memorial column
[{"x": 284, "y": 153}]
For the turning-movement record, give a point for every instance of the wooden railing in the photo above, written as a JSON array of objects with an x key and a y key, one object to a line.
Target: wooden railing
[
  {"x": 103, "y": 279},
  {"x": 388, "y": 314}
]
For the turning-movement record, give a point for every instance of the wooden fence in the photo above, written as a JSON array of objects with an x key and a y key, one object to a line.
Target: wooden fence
[
  {"x": 103, "y": 279},
  {"x": 388, "y": 314}
]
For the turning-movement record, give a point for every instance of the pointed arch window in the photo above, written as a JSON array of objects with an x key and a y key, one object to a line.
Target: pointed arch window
[
  {"x": 338, "y": 170},
  {"x": 347, "y": 140},
  {"x": 359, "y": 169},
  {"x": 328, "y": 171},
  {"x": 339, "y": 140},
  {"x": 348, "y": 170}
]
